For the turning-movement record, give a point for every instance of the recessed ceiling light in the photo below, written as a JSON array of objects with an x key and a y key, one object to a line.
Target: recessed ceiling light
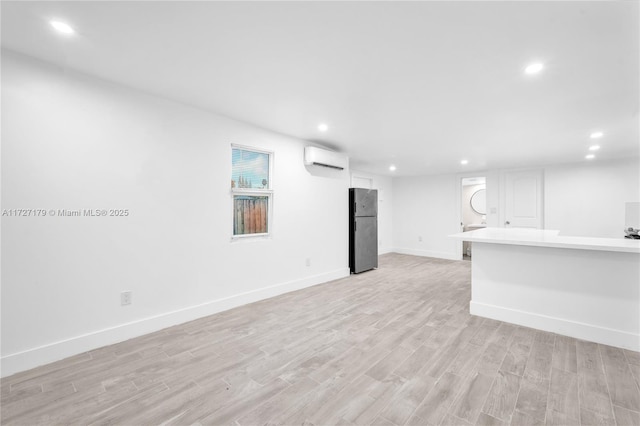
[
  {"x": 323, "y": 127},
  {"x": 589, "y": 156},
  {"x": 534, "y": 68},
  {"x": 62, "y": 27},
  {"x": 392, "y": 168},
  {"x": 594, "y": 147},
  {"x": 596, "y": 135},
  {"x": 464, "y": 162}
]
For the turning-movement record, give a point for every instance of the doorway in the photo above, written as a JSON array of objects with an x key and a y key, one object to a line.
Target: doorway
[{"x": 473, "y": 209}]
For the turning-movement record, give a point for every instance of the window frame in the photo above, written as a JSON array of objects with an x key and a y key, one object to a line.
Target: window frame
[{"x": 256, "y": 192}]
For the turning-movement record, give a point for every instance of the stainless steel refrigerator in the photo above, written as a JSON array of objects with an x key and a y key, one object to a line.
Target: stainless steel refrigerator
[{"x": 363, "y": 229}]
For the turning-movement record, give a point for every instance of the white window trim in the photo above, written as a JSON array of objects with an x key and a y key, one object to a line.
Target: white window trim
[
  {"x": 268, "y": 192},
  {"x": 264, "y": 193}
]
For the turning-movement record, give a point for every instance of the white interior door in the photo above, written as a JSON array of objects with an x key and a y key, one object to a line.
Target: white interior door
[{"x": 523, "y": 198}]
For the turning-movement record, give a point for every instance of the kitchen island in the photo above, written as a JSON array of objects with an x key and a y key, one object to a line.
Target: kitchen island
[{"x": 587, "y": 288}]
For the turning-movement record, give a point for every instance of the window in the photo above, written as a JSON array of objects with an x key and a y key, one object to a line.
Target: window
[{"x": 251, "y": 191}]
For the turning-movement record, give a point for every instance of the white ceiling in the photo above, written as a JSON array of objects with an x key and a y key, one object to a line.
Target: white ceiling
[{"x": 421, "y": 85}]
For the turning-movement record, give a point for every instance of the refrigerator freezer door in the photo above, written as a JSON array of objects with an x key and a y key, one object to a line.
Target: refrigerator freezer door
[
  {"x": 366, "y": 244},
  {"x": 365, "y": 202}
]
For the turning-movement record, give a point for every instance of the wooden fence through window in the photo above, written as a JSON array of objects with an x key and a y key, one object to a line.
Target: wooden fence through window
[{"x": 250, "y": 215}]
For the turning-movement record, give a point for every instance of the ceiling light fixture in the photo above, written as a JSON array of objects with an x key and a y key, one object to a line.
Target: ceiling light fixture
[
  {"x": 594, "y": 147},
  {"x": 534, "y": 68},
  {"x": 62, "y": 27},
  {"x": 464, "y": 162},
  {"x": 596, "y": 135},
  {"x": 323, "y": 127},
  {"x": 589, "y": 156},
  {"x": 392, "y": 168}
]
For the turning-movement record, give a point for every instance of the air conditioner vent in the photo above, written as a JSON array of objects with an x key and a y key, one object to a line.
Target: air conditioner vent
[{"x": 314, "y": 156}]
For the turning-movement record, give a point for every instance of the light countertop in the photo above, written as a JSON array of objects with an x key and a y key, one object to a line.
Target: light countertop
[{"x": 547, "y": 238}]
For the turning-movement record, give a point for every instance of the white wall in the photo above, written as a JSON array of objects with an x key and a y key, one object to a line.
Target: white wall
[
  {"x": 425, "y": 211},
  {"x": 582, "y": 199},
  {"x": 74, "y": 142},
  {"x": 428, "y": 208},
  {"x": 384, "y": 185},
  {"x": 588, "y": 199}
]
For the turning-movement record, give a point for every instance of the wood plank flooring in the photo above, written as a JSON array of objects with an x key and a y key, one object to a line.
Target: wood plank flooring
[{"x": 392, "y": 346}]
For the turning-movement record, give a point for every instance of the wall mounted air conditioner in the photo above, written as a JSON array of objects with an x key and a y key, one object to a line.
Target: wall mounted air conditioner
[{"x": 325, "y": 158}]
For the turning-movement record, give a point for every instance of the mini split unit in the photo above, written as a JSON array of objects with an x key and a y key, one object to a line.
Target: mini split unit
[{"x": 314, "y": 156}]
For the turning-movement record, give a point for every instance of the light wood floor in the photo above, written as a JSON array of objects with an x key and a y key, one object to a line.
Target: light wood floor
[{"x": 389, "y": 347}]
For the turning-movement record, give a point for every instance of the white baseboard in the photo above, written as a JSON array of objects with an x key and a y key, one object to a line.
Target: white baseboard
[
  {"x": 427, "y": 253},
  {"x": 590, "y": 332},
  {"x": 34, "y": 357}
]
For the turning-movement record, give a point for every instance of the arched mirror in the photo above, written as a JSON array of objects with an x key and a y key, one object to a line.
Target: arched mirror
[{"x": 479, "y": 201}]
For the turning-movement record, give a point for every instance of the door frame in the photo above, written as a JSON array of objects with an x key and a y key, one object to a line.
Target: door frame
[{"x": 459, "y": 177}]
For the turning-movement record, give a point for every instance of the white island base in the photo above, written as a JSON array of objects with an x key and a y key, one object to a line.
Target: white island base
[{"x": 580, "y": 287}]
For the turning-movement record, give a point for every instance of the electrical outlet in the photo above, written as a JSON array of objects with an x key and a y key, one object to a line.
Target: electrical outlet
[
  {"x": 308, "y": 261},
  {"x": 125, "y": 298},
  {"x": 419, "y": 238}
]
